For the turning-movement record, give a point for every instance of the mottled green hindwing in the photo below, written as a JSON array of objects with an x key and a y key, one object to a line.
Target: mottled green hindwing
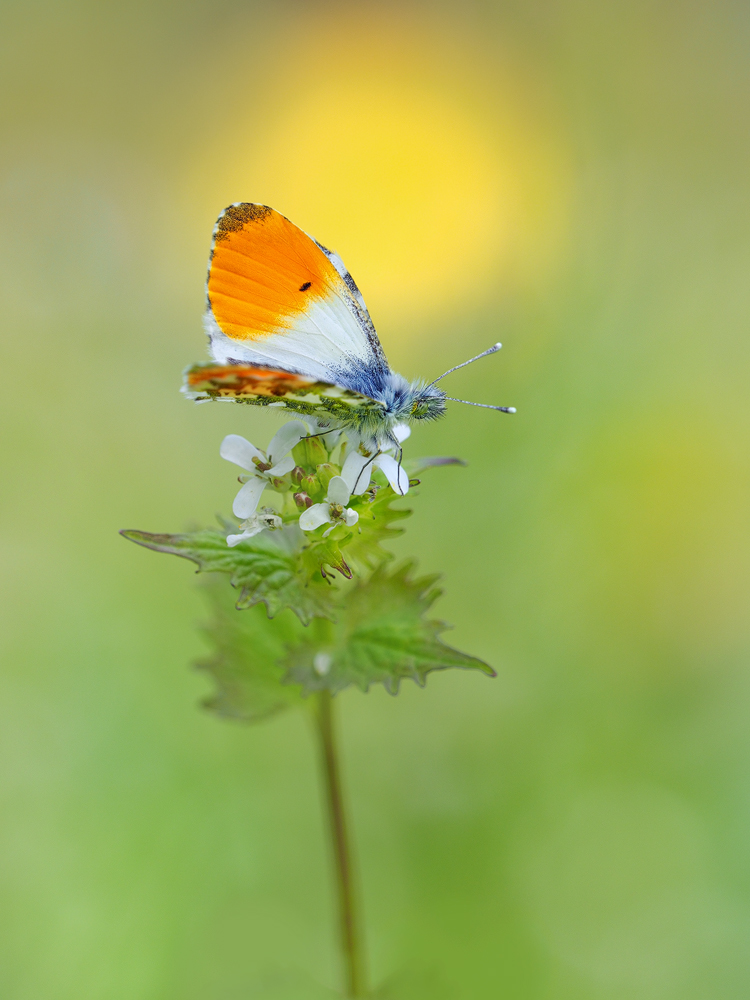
[{"x": 281, "y": 390}]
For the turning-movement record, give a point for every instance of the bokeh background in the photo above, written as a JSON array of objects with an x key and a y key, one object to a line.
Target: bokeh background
[{"x": 567, "y": 176}]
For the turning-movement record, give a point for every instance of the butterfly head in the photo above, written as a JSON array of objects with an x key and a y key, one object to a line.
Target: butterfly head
[
  {"x": 404, "y": 400},
  {"x": 426, "y": 402}
]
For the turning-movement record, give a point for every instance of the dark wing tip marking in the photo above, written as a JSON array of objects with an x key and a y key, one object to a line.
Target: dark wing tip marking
[
  {"x": 307, "y": 284},
  {"x": 348, "y": 279},
  {"x": 235, "y": 217}
]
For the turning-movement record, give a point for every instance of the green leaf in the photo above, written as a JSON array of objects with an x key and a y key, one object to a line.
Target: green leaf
[
  {"x": 264, "y": 570},
  {"x": 375, "y": 526},
  {"x": 246, "y": 662},
  {"x": 381, "y": 636},
  {"x": 414, "y": 466}
]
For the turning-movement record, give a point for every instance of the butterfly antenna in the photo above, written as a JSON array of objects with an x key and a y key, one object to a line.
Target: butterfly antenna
[
  {"x": 490, "y": 350},
  {"x": 487, "y": 406}
]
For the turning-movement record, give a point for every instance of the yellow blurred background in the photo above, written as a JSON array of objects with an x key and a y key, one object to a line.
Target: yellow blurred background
[{"x": 568, "y": 177}]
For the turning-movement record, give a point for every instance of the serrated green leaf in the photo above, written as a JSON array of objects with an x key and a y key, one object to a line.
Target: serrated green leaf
[
  {"x": 262, "y": 569},
  {"x": 246, "y": 662},
  {"x": 381, "y": 636}
]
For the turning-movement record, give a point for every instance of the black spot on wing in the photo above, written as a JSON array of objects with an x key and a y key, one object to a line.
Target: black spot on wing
[{"x": 307, "y": 284}]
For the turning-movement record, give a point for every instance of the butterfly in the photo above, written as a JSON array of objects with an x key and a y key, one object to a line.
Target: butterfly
[{"x": 288, "y": 328}]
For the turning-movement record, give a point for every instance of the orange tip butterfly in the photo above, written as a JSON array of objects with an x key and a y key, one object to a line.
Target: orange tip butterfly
[{"x": 288, "y": 327}]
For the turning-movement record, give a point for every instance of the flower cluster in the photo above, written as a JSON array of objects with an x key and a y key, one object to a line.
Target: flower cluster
[
  {"x": 321, "y": 478},
  {"x": 331, "y": 513}
]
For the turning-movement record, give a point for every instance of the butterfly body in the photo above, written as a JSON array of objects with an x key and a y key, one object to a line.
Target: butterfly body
[
  {"x": 288, "y": 327},
  {"x": 371, "y": 417}
]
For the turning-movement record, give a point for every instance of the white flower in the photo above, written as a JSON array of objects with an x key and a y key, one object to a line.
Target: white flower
[
  {"x": 360, "y": 461},
  {"x": 333, "y": 511},
  {"x": 265, "y": 518},
  {"x": 262, "y": 467},
  {"x": 322, "y": 428}
]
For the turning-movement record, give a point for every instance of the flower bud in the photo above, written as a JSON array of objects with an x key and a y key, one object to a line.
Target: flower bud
[
  {"x": 326, "y": 472},
  {"x": 297, "y": 474},
  {"x": 310, "y": 484},
  {"x": 302, "y": 500},
  {"x": 310, "y": 452}
]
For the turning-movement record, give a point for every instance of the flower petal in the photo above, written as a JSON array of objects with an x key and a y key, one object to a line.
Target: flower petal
[
  {"x": 284, "y": 440},
  {"x": 313, "y": 517},
  {"x": 239, "y": 450},
  {"x": 401, "y": 432},
  {"x": 233, "y": 540},
  {"x": 281, "y": 468},
  {"x": 332, "y": 436},
  {"x": 394, "y": 473},
  {"x": 355, "y": 474},
  {"x": 247, "y": 500},
  {"x": 338, "y": 491},
  {"x": 350, "y": 517},
  {"x": 322, "y": 663}
]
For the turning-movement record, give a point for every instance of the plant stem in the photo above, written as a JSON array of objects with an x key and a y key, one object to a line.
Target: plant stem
[{"x": 351, "y": 941}]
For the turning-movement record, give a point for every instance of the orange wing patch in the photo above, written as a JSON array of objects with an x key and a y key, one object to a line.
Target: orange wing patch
[{"x": 264, "y": 272}]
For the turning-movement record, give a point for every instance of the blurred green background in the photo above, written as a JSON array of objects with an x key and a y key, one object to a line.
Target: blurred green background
[{"x": 568, "y": 176}]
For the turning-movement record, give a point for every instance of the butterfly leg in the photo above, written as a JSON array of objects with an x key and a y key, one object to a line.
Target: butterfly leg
[
  {"x": 400, "y": 457},
  {"x": 369, "y": 460},
  {"x": 322, "y": 433}
]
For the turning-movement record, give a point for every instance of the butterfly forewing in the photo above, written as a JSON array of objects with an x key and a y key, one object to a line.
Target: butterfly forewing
[{"x": 278, "y": 298}]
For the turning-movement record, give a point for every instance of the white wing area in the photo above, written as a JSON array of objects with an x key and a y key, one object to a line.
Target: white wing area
[
  {"x": 349, "y": 282},
  {"x": 322, "y": 341}
]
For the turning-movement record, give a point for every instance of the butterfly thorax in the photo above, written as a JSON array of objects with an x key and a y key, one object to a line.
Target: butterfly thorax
[
  {"x": 399, "y": 399},
  {"x": 404, "y": 400}
]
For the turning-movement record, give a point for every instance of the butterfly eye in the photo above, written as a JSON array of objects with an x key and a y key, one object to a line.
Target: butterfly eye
[{"x": 419, "y": 408}]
